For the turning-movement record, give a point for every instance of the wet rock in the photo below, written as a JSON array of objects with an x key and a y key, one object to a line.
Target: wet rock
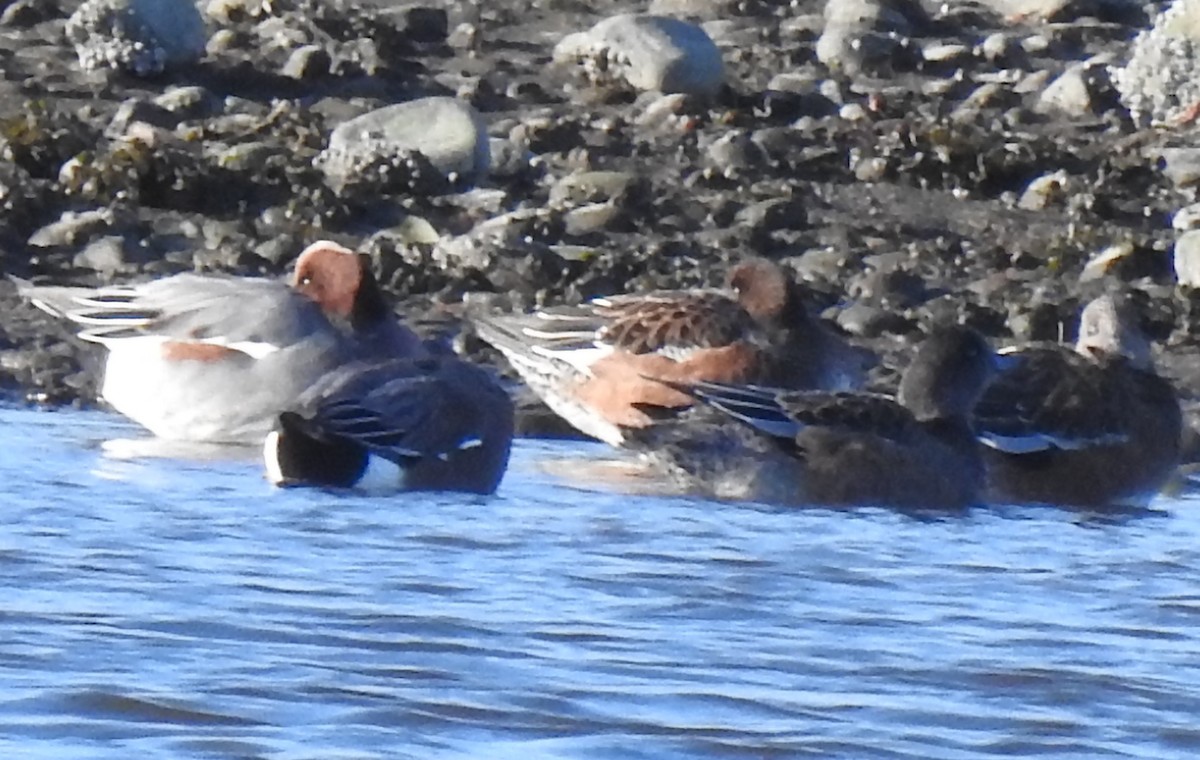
[
  {"x": 447, "y": 132},
  {"x": 141, "y": 37},
  {"x": 648, "y": 53}
]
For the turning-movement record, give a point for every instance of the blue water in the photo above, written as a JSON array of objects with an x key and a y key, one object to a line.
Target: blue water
[{"x": 180, "y": 607}]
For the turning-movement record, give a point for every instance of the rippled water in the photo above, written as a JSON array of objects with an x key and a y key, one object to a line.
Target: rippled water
[{"x": 169, "y": 608}]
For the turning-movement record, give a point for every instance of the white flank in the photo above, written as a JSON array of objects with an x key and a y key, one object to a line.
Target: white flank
[
  {"x": 1028, "y": 444},
  {"x": 381, "y": 476},
  {"x": 271, "y": 458},
  {"x": 151, "y": 345},
  {"x": 253, "y": 349}
]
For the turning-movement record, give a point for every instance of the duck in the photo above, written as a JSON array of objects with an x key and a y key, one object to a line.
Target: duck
[
  {"x": 384, "y": 426},
  {"x": 1089, "y": 425},
  {"x": 916, "y": 450},
  {"x": 597, "y": 364},
  {"x": 214, "y": 359}
]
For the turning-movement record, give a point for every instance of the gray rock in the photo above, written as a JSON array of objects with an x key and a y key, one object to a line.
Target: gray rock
[
  {"x": 446, "y": 131},
  {"x": 648, "y": 53},
  {"x": 141, "y": 37}
]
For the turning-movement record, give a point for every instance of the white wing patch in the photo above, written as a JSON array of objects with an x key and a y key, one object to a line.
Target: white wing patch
[{"x": 1029, "y": 444}]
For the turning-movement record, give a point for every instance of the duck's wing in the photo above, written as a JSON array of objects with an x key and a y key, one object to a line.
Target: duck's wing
[{"x": 1050, "y": 399}]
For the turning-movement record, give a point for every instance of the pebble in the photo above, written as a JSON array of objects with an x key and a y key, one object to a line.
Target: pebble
[
  {"x": 1104, "y": 262},
  {"x": 1186, "y": 259},
  {"x": 1044, "y": 191},
  {"x": 591, "y": 187},
  {"x": 446, "y": 131},
  {"x": 140, "y": 37},
  {"x": 647, "y": 52}
]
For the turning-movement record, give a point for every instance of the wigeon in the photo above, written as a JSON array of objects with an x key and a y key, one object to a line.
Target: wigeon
[
  {"x": 215, "y": 359},
  {"x": 914, "y": 451},
  {"x": 1093, "y": 426},
  {"x": 437, "y": 423},
  {"x": 596, "y": 364}
]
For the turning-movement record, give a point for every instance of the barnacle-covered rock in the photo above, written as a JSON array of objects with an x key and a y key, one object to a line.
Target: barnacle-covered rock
[
  {"x": 446, "y": 131},
  {"x": 1161, "y": 81},
  {"x": 647, "y": 52},
  {"x": 141, "y": 37}
]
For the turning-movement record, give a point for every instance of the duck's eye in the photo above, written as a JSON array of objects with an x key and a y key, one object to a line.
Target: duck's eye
[{"x": 306, "y": 281}]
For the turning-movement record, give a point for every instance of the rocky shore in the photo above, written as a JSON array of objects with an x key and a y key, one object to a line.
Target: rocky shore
[{"x": 999, "y": 161}]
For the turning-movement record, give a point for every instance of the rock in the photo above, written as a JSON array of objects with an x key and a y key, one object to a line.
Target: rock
[
  {"x": 1072, "y": 93},
  {"x": 648, "y": 53},
  {"x": 230, "y": 11},
  {"x": 25, "y": 13},
  {"x": 1060, "y": 10},
  {"x": 137, "y": 110},
  {"x": 868, "y": 36},
  {"x": 190, "y": 102},
  {"x": 1044, "y": 191},
  {"x": 1186, "y": 259},
  {"x": 446, "y": 131},
  {"x": 73, "y": 229},
  {"x": 591, "y": 187},
  {"x": 1161, "y": 81},
  {"x": 1186, "y": 218},
  {"x": 141, "y": 37},
  {"x": 105, "y": 255},
  {"x": 426, "y": 24},
  {"x": 307, "y": 62},
  {"x": 1181, "y": 165},
  {"x": 1106, "y": 261}
]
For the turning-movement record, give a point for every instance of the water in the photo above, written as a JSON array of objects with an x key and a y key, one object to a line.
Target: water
[{"x": 182, "y": 608}]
